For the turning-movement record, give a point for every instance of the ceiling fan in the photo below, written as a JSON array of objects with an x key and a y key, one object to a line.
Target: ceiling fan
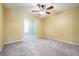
[{"x": 43, "y": 8}]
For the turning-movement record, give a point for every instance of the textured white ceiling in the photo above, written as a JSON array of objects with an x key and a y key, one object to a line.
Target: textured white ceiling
[{"x": 58, "y": 7}]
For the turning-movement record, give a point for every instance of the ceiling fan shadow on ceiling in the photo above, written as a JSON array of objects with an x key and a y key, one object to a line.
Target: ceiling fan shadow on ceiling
[{"x": 43, "y": 9}]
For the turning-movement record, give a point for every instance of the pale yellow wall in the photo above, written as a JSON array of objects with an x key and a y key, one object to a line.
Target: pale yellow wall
[
  {"x": 13, "y": 24},
  {"x": 39, "y": 28},
  {"x": 64, "y": 26},
  {"x": 76, "y": 26},
  {"x": 1, "y": 24}
]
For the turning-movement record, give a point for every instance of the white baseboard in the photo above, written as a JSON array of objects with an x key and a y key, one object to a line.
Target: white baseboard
[
  {"x": 9, "y": 43},
  {"x": 13, "y": 42},
  {"x": 64, "y": 41}
]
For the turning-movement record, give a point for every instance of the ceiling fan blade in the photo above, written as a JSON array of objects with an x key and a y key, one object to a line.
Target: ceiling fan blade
[
  {"x": 47, "y": 12},
  {"x": 35, "y": 10},
  {"x": 51, "y": 7},
  {"x": 39, "y": 5}
]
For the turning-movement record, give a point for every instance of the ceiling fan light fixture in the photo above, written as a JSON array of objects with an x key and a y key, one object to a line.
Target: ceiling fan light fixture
[{"x": 42, "y": 13}]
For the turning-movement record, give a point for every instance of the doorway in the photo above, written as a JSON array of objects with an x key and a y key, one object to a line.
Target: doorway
[{"x": 29, "y": 28}]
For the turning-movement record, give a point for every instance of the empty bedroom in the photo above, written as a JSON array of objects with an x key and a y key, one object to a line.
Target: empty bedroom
[{"x": 39, "y": 29}]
